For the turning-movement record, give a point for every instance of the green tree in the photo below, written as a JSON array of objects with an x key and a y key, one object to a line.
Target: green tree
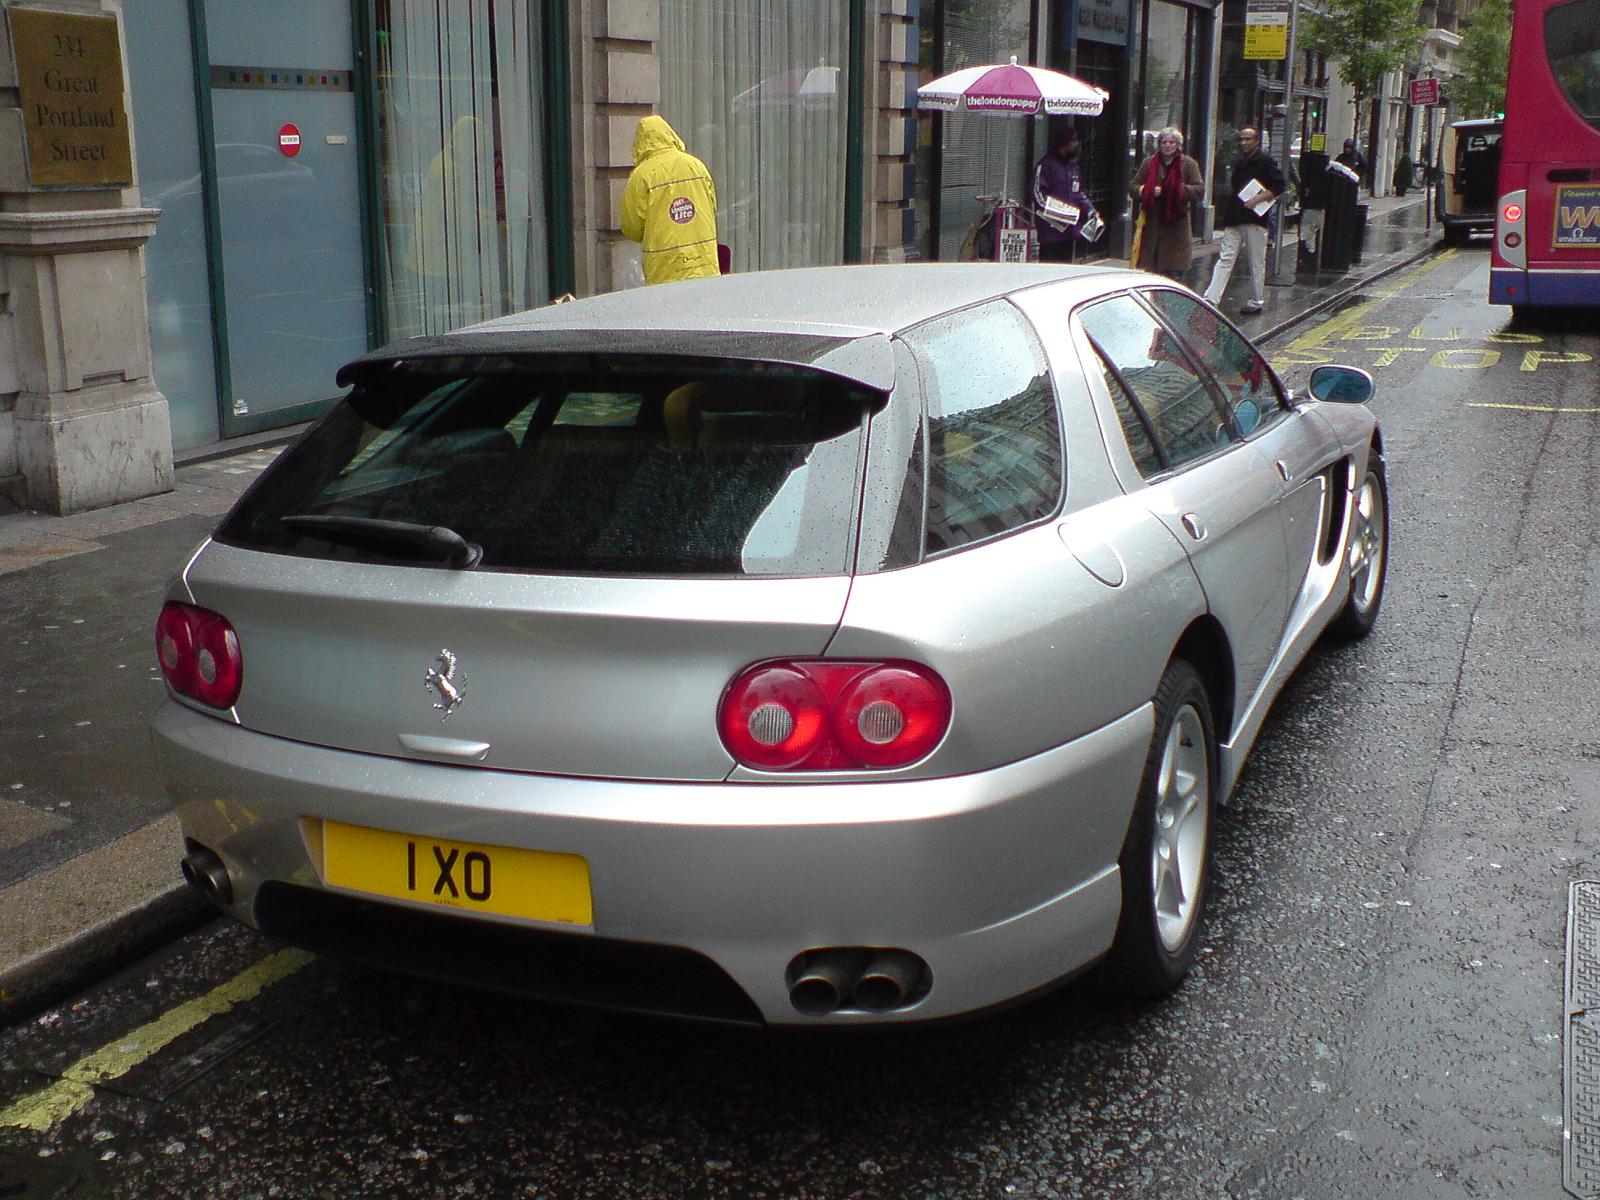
[
  {"x": 1480, "y": 89},
  {"x": 1368, "y": 39}
]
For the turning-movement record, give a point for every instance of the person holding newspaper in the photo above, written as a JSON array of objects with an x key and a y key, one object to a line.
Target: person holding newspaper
[
  {"x": 1065, "y": 213},
  {"x": 1256, "y": 184}
]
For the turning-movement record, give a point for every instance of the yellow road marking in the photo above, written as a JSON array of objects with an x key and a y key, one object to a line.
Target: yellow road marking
[
  {"x": 75, "y": 1088},
  {"x": 1530, "y": 407},
  {"x": 1356, "y": 313}
]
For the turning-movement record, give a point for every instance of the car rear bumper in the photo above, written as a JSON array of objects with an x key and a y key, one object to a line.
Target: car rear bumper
[{"x": 1001, "y": 881}]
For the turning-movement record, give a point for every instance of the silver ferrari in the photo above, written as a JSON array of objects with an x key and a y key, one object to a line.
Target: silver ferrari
[{"x": 822, "y": 647}]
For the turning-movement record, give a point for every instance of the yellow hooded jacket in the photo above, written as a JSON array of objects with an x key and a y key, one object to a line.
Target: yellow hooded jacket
[{"x": 670, "y": 206}]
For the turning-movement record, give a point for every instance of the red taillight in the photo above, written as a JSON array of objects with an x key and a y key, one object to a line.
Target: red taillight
[
  {"x": 199, "y": 654},
  {"x": 824, "y": 715},
  {"x": 1512, "y": 213}
]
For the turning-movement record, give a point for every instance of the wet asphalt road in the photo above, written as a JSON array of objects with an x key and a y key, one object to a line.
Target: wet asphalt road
[{"x": 1376, "y": 1013}]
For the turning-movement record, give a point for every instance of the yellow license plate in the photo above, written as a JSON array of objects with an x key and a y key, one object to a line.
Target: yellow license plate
[{"x": 504, "y": 880}]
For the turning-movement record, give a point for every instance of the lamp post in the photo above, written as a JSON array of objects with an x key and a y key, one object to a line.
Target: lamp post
[{"x": 1275, "y": 251}]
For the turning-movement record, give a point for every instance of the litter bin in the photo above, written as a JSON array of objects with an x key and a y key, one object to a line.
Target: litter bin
[
  {"x": 1339, "y": 218},
  {"x": 1360, "y": 242}
]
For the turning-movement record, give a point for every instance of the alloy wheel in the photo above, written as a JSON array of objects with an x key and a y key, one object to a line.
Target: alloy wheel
[
  {"x": 1182, "y": 817},
  {"x": 1366, "y": 546}
]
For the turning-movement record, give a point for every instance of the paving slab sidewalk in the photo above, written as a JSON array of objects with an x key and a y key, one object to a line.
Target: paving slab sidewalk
[{"x": 88, "y": 849}]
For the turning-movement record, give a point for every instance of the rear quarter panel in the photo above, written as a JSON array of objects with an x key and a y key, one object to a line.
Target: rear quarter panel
[{"x": 1036, "y": 649}]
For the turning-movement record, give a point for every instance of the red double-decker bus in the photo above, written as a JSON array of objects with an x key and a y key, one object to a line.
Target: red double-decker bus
[{"x": 1547, "y": 226}]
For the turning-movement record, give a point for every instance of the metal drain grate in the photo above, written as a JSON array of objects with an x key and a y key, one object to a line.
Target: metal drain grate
[{"x": 1580, "y": 1093}]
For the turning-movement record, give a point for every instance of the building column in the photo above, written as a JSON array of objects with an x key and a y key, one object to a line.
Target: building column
[
  {"x": 82, "y": 423},
  {"x": 891, "y": 195},
  {"x": 624, "y": 85}
]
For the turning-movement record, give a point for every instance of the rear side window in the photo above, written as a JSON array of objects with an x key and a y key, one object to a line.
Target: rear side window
[
  {"x": 1572, "y": 39},
  {"x": 649, "y": 470},
  {"x": 1166, "y": 385},
  {"x": 994, "y": 436}
]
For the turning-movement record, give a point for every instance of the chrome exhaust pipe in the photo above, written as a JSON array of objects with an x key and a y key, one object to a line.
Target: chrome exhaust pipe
[
  {"x": 828, "y": 977},
  {"x": 887, "y": 981},
  {"x": 204, "y": 871}
]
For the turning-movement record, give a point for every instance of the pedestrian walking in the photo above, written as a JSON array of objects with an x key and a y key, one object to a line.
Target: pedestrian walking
[
  {"x": 1352, "y": 158},
  {"x": 1255, "y": 185},
  {"x": 669, "y": 206},
  {"x": 1163, "y": 189},
  {"x": 1058, "y": 178}
]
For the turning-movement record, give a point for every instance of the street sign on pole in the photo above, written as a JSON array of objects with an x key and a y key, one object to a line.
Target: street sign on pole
[
  {"x": 1266, "y": 29},
  {"x": 1425, "y": 91}
]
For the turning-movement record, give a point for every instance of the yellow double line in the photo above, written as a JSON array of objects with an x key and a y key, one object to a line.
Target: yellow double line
[{"x": 40, "y": 1110}]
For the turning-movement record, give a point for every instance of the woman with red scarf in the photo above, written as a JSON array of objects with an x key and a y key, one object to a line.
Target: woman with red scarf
[{"x": 1163, "y": 188}]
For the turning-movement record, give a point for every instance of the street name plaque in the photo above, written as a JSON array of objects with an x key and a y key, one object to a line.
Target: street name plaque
[{"x": 69, "y": 73}]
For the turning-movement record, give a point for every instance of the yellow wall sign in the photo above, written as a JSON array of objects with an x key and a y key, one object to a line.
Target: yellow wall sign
[
  {"x": 1266, "y": 31},
  {"x": 69, "y": 71}
]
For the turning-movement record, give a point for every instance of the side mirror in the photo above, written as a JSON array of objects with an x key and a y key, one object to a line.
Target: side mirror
[{"x": 1342, "y": 385}]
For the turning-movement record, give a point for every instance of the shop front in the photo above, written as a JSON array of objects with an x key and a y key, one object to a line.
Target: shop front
[
  {"x": 329, "y": 176},
  {"x": 759, "y": 90},
  {"x": 1153, "y": 58}
]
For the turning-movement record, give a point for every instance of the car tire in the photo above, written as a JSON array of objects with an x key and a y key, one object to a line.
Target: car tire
[
  {"x": 1166, "y": 857},
  {"x": 1366, "y": 555},
  {"x": 1454, "y": 235}
]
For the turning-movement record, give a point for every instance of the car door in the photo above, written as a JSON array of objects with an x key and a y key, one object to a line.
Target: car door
[
  {"x": 1302, "y": 449},
  {"x": 1212, "y": 489}
]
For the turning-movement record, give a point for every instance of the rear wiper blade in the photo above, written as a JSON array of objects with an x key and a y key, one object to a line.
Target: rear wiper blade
[{"x": 371, "y": 533}]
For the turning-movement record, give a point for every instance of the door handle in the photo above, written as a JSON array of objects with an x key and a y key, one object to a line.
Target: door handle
[
  {"x": 1283, "y": 470},
  {"x": 1192, "y": 523}
]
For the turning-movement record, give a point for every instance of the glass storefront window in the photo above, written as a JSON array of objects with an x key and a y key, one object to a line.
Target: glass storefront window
[
  {"x": 757, "y": 89},
  {"x": 1171, "y": 77},
  {"x": 981, "y": 154},
  {"x": 167, "y": 146},
  {"x": 460, "y": 161}
]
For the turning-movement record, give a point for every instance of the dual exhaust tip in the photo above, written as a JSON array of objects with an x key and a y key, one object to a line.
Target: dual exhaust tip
[
  {"x": 205, "y": 872},
  {"x": 857, "y": 979}
]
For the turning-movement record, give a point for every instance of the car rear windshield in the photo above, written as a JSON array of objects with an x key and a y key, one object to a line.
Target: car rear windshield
[{"x": 641, "y": 469}]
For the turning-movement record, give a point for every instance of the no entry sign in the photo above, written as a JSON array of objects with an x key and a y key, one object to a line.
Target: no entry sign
[{"x": 289, "y": 140}]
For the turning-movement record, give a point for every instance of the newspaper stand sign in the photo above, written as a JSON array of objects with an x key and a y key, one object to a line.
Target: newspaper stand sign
[
  {"x": 1424, "y": 91},
  {"x": 1015, "y": 240}
]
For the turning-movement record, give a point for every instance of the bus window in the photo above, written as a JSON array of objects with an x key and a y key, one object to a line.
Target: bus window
[{"x": 1572, "y": 40}]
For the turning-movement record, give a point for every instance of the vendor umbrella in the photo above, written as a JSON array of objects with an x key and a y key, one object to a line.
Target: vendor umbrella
[{"x": 1012, "y": 90}]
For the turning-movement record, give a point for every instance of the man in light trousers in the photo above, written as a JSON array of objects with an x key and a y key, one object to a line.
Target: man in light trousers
[{"x": 1243, "y": 228}]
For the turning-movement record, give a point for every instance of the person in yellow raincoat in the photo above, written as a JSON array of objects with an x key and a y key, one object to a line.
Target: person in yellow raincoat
[{"x": 670, "y": 206}]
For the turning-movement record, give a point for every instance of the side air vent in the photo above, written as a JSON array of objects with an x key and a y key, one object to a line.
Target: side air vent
[{"x": 1336, "y": 496}]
